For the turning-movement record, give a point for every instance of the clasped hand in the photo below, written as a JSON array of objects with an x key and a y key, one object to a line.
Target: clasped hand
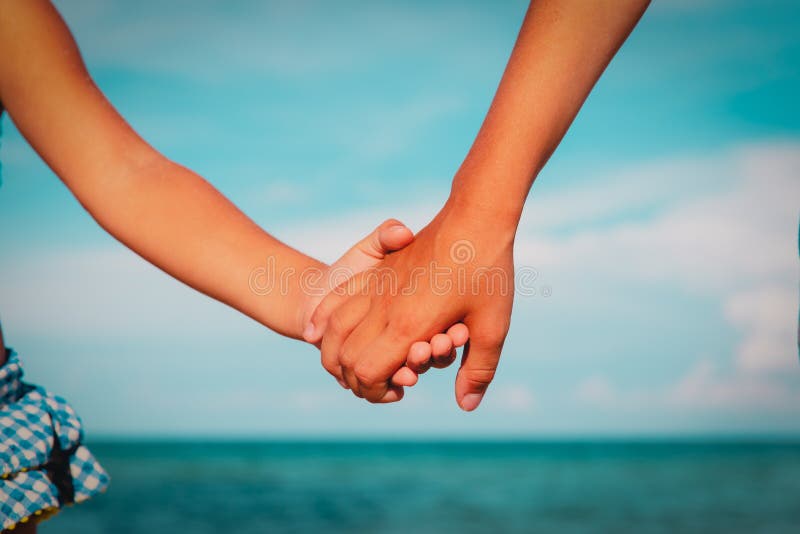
[{"x": 454, "y": 280}]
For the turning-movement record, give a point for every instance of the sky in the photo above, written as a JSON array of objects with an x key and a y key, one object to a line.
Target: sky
[{"x": 664, "y": 230}]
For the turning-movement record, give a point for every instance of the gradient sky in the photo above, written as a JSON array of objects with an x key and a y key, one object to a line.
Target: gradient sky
[{"x": 665, "y": 225}]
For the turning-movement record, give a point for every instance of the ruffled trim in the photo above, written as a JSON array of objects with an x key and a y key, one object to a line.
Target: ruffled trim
[{"x": 43, "y": 465}]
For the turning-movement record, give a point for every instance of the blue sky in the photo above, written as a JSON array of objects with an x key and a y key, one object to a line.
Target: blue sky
[{"x": 665, "y": 224}]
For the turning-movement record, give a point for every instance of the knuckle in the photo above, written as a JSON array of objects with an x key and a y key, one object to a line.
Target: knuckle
[
  {"x": 336, "y": 324},
  {"x": 445, "y": 361},
  {"x": 443, "y": 355},
  {"x": 479, "y": 378},
  {"x": 346, "y": 359},
  {"x": 319, "y": 313},
  {"x": 374, "y": 395},
  {"x": 331, "y": 367},
  {"x": 419, "y": 365},
  {"x": 492, "y": 337},
  {"x": 365, "y": 375},
  {"x": 504, "y": 326},
  {"x": 422, "y": 367},
  {"x": 402, "y": 327},
  {"x": 324, "y": 310}
]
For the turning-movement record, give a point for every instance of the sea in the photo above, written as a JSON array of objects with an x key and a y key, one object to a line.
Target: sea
[{"x": 320, "y": 486}]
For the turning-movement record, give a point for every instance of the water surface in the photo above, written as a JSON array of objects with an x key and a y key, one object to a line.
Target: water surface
[{"x": 420, "y": 487}]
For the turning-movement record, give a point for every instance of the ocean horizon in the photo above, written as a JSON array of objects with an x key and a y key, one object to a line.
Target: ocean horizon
[{"x": 613, "y": 484}]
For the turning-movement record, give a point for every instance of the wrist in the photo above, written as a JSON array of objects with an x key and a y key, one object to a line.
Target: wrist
[
  {"x": 466, "y": 229},
  {"x": 493, "y": 182},
  {"x": 314, "y": 290},
  {"x": 482, "y": 212},
  {"x": 280, "y": 292}
]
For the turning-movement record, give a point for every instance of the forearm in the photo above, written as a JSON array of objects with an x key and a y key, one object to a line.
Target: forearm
[
  {"x": 179, "y": 222},
  {"x": 164, "y": 212},
  {"x": 562, "y": 49}
]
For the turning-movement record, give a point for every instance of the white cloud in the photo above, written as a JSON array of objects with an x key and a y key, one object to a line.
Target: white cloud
[
  {"x": 596, "y": 390},
  {"x": 735, "y": 242},
  {"x": 105, "y": 292},
  {"x": 725, "y": 238},
  {"x": 705, "y": 387},
  {"x": 767, "y": 318},
  {"x": 512, "y": 398},
  {"x": 328, "y": 238},
  {"x": 277, "y": 39},
  {"x": 731, "y": 240},
  {"x": 381, "y": 132}
]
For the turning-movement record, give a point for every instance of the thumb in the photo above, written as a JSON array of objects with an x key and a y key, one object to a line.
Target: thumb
[
  {"x": 389, "y": 236},
  {"x": 319, "y": 319},
  {"x": 478, "y": 367}
]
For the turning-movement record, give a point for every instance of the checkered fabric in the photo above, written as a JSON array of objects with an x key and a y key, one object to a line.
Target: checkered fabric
[{"x": 43, "y": 465}]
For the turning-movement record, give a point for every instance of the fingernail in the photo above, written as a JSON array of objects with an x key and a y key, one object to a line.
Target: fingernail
[
  {"x": 471, "y": 401},
  {"x": 342, "y": 383},
  {"x": 398, "y": 227},
  {"x": 308, "y": 333}
]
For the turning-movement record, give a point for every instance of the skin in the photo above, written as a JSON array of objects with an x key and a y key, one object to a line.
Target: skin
[
  {"x": 562, "y": 49},
  {"x": 164, "y": 212},
  {"x": 161, "y": 210},
  {"x": 369, "y": 334}
]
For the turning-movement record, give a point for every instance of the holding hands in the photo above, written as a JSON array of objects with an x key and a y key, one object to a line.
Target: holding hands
[
  {"x": 460, "y": 269},
  {"x": 363, "y": 260},
  {"x": 412, "y": 301},
  {"x": 440, "y": 287}
]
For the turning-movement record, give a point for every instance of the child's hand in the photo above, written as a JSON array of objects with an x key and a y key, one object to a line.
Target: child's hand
[
  {"x": 439, "y": 353},
  {"x": 390, "y": 236}
]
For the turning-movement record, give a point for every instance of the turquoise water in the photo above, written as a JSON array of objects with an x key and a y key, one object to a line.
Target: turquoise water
[{"x": 443, "y": 487}]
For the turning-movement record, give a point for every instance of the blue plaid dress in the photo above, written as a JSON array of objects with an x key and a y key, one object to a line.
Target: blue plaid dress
[{"x": 43, "y": 465}]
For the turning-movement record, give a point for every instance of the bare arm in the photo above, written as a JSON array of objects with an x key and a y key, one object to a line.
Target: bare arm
[
  {"x": 164, "y": 212},
  {"x": 562, "y": 49}
]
